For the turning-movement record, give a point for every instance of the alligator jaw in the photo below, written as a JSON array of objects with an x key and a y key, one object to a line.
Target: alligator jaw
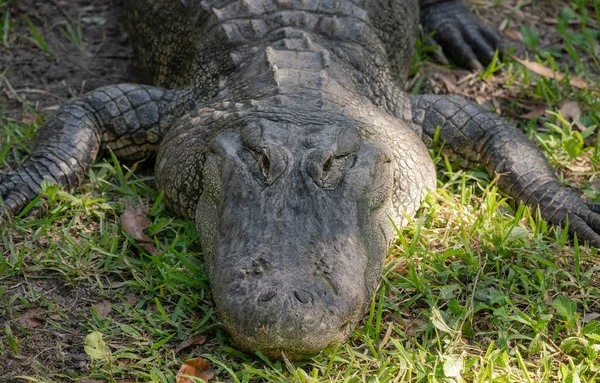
[{"x": 290, "y": 302}]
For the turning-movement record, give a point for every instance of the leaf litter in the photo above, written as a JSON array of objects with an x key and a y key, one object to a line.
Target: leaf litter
[
  {"x": 196, "y": 367},
  {"x": 134, "y": 221}
]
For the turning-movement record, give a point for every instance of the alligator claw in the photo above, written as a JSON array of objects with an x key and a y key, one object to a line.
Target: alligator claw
[
  {"x": 462, "y": 36},
  {"x": 581, "y": 216},
  {"x": 17, "y": 189}
]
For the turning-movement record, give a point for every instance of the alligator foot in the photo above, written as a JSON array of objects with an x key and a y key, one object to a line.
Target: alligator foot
[
  {"x": 459, "y": 32},
  {"x": 481, "y": 136},
  {"x": 16, "y": 191},
  {"x": 561, "y": 206}
]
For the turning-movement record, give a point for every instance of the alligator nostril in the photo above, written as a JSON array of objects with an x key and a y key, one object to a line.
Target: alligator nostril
[
  {"x": 265, "y": 297},
  {"x": 302, "y": 296}
]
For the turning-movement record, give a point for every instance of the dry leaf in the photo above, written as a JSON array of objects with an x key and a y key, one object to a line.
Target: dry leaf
[
  {"x": 102, "y": 308},
  {"x": 194, "y": 367},
  {"x": 570, "y": 111},
  {"x": 134, "y": 222},
  {"x": 28, "y": 118},
  {"x": 547, "y": 72},
  {"x": 386, "y": 337},
  {"x": 554, "y": 21},
  {"x": 449, "y": 80},
  {"x": 503, "y": 25},
  {"x": 116, "y": 285},
  {"x": 191, "y": 341},
  {"x": 539, "y": 111},
  {"x": 131, "y": 299},
  {"x": 513, "y": 34},
  {"x": 590, "y": 317},
  {"x": 30, "y": 319}
]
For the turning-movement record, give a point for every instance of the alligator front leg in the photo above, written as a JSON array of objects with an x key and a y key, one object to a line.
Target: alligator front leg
[
  {"x": 524, "y": 173},
  {"x": 129, "y": 119}
]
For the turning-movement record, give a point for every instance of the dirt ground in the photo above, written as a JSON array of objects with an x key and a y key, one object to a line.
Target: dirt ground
[{"x": 46, "y": 80}]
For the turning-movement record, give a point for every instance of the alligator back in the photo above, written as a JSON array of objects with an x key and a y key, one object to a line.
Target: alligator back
[{"x": 182, "y": 42}]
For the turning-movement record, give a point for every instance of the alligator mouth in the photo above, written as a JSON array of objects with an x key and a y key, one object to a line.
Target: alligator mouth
[
  {"x": 297, "y": 354},
  {"x": 292, "y": 321},
  {"x": 292, "y": 335},
  {"x": 273, "y": 304}
]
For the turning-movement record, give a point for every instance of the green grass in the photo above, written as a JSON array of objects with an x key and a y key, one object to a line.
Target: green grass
[
  {"x": 73, "y": 33},
  {"x": 473, "y": 290},
  {"x": 36, "y": 37}
]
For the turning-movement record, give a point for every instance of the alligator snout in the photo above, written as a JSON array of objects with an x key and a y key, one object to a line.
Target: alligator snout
[{"x": 295, "y": 304}]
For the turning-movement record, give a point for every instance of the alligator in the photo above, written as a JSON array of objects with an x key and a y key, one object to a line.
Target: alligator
[{"x": 281, "y": 128}]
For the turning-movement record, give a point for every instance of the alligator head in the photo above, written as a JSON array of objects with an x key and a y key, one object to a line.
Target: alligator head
[{"x": 295, "y": 225}]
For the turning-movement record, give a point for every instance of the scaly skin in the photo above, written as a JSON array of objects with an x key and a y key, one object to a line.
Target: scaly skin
[
  {"x": 525, "y": 173},
  {"x": 290, "y": 144},
  {"x": 130, "y": 119}
]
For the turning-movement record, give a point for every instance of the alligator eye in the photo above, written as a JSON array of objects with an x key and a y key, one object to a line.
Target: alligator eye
[
  {"x": 333, "y": 169},
  {"x": 265, "y": 164},
  {"x": 326, "y": 169},
  {"x": 327, "y": 165}
]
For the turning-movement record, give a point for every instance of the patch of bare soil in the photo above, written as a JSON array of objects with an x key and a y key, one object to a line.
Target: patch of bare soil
[
  {"x": 49, "y": 332},
  {"x": 45, "y": 80}
]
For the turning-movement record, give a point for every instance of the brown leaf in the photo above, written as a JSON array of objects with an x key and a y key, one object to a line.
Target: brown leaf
[
  {"x": 191, "y": 341},
  {"x": 131, "y": 299},
  {"x": 547, "y": 72},
  {"x": 386, "y": 337},
  {"x": 30, "y": 319},
  {"x": 194, "y": 367},
  {"x": 539, "y": 111},
  {"x": 116, "y": 285},
  {"x": 134, "y": 222},
  {"x": 513, "y": 34},
  {"x": 28, "y": 118},
  {"x": 554, "y": 21},
  {"x": 590, "y": 317},
  {"x": 570, "y": 111},
  {"x": 102, "y": 308},
  {"x": 449, "y": 80}
]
